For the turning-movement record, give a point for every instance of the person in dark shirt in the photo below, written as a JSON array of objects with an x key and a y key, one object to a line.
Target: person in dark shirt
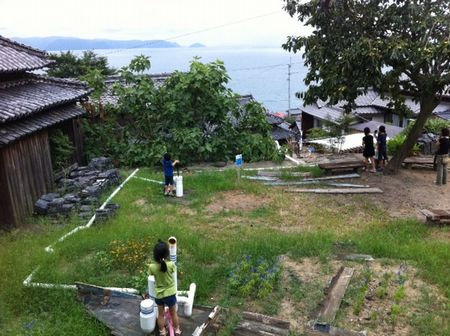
[
  {"x": 369, "y": 149},
  {"x": 382, "y": 147},
  {"x": 442, "y": 157},
  {"x": 168, "y": 165}
]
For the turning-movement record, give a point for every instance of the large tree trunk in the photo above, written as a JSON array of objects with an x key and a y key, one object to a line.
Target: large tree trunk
[{"x": 427, "y": 105}]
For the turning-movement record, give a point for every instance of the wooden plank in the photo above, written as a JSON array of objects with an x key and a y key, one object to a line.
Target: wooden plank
[
  {"x": 428, "y": 214},
  {"x": 419, "y": 160},
  {"x": 337, "y": 191},
  {"x": 335, "y": 332},
  {"x": 212, "y": 317},
  {"x": 342, "y": 164},
  {"x": 260, "y": 178},
  {"x": 336, "y": 292},
  {"x": 311, "y": 180},
  {"x": 247, "y": 328},
  {"x": 266, "y": 320},
  {"x": 283, "y": 173}
]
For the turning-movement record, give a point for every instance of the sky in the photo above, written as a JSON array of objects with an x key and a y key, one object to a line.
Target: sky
[{"x": 249, "y": 23}]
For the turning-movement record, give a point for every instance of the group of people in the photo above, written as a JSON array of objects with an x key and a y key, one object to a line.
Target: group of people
[
  {"x": 375, "y": 152},
  {"x": 375, "y": 146}
]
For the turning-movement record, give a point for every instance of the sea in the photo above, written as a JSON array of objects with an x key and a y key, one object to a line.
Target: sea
[{"x": 264, "y": 73}]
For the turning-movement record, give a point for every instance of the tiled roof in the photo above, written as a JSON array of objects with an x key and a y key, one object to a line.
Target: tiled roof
[
  {"x": 324, "y": 113},
  {"x": 30, "y": 94},
  {"x": 280, "y": 133},
  {"x": 15, "y": 130},
  {"x": 368, "y": 110},
  {"x": 110, "y": 98},
  {"x": 391, "y": 131},
  {"x": 16, "y": 57},
  {"x": 272, "y": 119}
]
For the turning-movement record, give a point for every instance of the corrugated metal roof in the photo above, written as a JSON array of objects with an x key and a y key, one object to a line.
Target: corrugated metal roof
[
  {"x": 15, "y": 130},
  {"x": 17, "y": 57},
  {"x": 31, "y": 94}
]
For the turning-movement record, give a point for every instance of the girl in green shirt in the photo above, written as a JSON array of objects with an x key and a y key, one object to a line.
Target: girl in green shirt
[{"x": 166, "y": 292}]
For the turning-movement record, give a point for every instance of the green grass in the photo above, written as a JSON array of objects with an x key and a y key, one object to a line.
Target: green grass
[{"x": 210, "y": 246}]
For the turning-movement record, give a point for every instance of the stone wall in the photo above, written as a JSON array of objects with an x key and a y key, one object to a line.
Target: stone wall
[{"x": 80, "y": 190}]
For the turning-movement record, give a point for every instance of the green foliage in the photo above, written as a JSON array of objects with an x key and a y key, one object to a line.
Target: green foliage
[
  {"x": 61, "y": 149},
  {"x": 433, "y": 125},
  {"x": 130, "y": 254},
  {"x": 317, "y": 133},
  {"x": 193, "y": 116},
  {"x": 396, "y": 143},
  {"x": 391, "y": 46},
  {"x": 68, "y": 65},
  {"x": 255, "y": 277}
]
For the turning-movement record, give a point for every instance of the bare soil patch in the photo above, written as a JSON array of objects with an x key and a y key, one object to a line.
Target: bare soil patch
[
  {"x": 236, "y": 200},
  {"x": 409, "y": 191},
  {"x": 383, "y": 297}
]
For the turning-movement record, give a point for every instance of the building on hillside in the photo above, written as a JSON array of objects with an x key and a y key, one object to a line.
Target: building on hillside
[
  {"x": 31, "y": 106},
  {"x": 281, "y": 130},
  {"x": 369, "y": 107}
]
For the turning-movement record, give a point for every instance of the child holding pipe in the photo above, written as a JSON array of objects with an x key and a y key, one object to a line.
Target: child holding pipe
[
  {"x": 163, "y": 270},
  {"x": 168, "y": 165}
]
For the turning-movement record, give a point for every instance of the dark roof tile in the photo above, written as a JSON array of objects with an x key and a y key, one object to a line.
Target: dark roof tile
[
  {"x": 15, "y": 130},
  {"x": 17, "y": 57},
  {"x": 37, "y": 93}
]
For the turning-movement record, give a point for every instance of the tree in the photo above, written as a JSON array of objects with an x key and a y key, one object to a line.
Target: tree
[
  {"x": 69, "y": 65},
  {"x": 397, "y": 47},
  {"x": 194, "y": 116}
]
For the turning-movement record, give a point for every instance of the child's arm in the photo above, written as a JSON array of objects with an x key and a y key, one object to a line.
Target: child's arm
[{"x": 175, "y": 162}]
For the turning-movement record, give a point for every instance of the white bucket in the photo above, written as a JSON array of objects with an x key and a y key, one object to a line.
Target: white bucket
[
  {"x": 178, "y": 185},
  {"x": 147, "y": 316}
]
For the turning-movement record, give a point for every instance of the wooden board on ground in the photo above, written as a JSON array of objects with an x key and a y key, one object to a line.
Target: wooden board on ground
[
  {"x": 282, "y": 173},
  {"x": 120, "y": 311},
  {"x": 436, "y": 215},
  {"x": 336, "y": 291},
  {"x": 337, "y": 191},
  {"x": 419, "y": 160},
  {"x": 335, "y": 332},
  {"x": 355, "y": 165},
  {"x": 262, "y": 325}
]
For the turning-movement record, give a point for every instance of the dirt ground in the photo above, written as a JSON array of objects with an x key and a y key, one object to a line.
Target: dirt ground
[
  {"x": 390, "y": 295},
  {"x": 236, "y": 200},
  {"x": 404, "y": 194}
]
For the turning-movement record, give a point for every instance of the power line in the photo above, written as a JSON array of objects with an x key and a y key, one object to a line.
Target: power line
[{"x": 194, "y": 32}]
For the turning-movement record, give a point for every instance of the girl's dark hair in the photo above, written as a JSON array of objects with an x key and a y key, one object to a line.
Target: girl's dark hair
[
  {"x": 160, "y": 253},
  {"x": 383, "y": 129},
  {"x": 445, "y": 132},
  {"x": 366, "y": 130},
  {"x": 167, "y": 156}
]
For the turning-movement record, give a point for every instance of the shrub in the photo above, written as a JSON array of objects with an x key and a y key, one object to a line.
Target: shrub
[{"x": 255, "y": 278}]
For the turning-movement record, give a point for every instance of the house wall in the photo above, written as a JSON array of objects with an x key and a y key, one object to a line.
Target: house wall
[{"x": 25, "y": 174}]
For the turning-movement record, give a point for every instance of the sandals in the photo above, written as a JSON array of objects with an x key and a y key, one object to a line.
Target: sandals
[{"x": 178, "y": 332}]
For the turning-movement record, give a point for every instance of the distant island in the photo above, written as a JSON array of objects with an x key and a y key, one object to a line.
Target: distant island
[
  {"x": 55, "y": 43},
  {"x": 197, "y": 45}
]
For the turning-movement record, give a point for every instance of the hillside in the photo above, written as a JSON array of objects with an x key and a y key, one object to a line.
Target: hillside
[{"x": 72, "y": 43}]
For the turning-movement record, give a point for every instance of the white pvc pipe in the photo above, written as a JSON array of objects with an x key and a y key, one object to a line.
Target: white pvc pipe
[
  {"x": 29, "y": 283},
  {"x": 149, "y": 180},
  {"x": 91, "y": 221}
]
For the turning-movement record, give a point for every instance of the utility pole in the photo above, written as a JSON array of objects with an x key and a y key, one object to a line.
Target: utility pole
[{"x": 289, "y": 86}]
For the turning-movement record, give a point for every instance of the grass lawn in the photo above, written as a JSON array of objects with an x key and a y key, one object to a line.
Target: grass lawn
[{"x": 224, "y": 228}]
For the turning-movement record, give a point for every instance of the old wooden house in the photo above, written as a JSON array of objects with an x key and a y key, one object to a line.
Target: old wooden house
[{"x": 30, "y": 106}]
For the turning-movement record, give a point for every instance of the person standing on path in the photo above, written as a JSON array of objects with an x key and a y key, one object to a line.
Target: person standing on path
[
  {"x": 442, "y": 157},
  {"x": 382, "y": 147},
  {"x": 168, "y": 165},
  {"x": 369, "y": 149}
]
